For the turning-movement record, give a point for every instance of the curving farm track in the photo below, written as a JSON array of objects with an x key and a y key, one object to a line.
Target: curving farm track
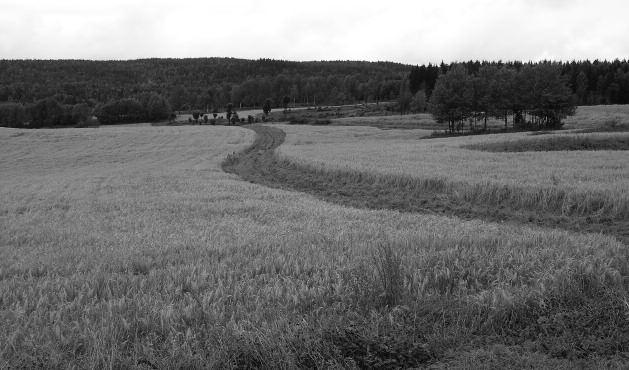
[{"x": 259, "y": 164}]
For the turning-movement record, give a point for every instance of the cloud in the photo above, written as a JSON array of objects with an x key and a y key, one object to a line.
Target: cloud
[{"x": 399, "y": 30}]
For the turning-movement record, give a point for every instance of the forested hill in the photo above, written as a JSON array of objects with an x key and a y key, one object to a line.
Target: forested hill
[
  {"x": 207, "y": 83},
  {"x": 202, "y": 82}
]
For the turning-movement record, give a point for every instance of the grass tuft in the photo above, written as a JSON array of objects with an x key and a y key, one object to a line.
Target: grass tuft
[
  {"x": 140, "y": 267},
  {"x": 390, "y": 275}
]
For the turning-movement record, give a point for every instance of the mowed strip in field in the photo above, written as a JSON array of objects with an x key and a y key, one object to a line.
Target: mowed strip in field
[{"x": 130, "y": 246}]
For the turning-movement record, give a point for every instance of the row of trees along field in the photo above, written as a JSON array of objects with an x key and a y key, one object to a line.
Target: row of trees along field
[
  {"x": 536, "y": 96},
  {"x": 43, "y": 113},
  {"x": 593, "y": 83},
  {"x": 48, "y": 112},
  {"x": 116, "y": 89}
]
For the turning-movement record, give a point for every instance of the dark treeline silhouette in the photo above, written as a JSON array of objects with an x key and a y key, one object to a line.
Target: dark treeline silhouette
[
  {"x": 597, "y": 82},
  {"x": 148, "y": 106},
  {"x": 143, "y": 90},
  {"x": 120, "y": 91},
  {"x": 536, "y": 96},
  {"x": 201, "y": 83},
  {"x": 48, "y": 112}
]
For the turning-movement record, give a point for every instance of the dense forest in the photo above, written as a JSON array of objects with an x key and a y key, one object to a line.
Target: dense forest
[
  {"x": 593, "y": 83},
  {"x": 202, "y": 83},
  {"x": 148, "y": 89}
]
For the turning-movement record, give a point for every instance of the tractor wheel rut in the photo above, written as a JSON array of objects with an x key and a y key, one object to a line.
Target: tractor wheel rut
[{"x": 259, "y": 164}]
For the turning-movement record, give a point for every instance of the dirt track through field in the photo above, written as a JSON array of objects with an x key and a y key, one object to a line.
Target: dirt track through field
[{"x": 259, "y": 164}]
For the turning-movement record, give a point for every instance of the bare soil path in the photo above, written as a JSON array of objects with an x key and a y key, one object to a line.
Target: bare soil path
[{"x": 259, "y": 164}]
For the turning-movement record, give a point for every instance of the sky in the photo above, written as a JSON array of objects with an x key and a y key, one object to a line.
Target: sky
[{"x": 405, "y": 31}]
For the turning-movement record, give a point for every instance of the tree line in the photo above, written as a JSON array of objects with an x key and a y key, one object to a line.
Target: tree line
[
  {"x": 593, "y": 82},
  {"x": 45, "y": 112},
  {"x": 117, "y": 91},
  {"x": 535, "y": 96},
  {"x": 200, "y": 83},
  {"x": 144, "y": 107},
  {"x": 48, "y": 112}
]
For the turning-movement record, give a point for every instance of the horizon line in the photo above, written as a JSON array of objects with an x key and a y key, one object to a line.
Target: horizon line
[{"x": 507, "y": 61}]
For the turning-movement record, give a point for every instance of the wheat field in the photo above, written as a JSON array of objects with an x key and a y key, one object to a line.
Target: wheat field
[
  {"x": 574, "y": 181},
  {"x": 129, "y": 247}
]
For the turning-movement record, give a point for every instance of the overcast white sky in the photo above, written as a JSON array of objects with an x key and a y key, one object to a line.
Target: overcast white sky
[{"x": 394, "y": 30}]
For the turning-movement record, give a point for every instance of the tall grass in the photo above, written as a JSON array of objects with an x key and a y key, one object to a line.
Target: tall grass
[
  {"x": 589, "y": 184},
  {"x": 599, "y": 118},
  {"x": 128, "y": 247},
  {"x": 557, "y": 143}
]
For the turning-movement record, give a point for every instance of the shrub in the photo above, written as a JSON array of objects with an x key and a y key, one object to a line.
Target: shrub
[
  {"x": 267, "y": 107},
  {"x": 234, "y": 118}
]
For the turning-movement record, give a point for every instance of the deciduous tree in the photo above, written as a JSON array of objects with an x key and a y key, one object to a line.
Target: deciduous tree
[{"x": 451, "y": 100}]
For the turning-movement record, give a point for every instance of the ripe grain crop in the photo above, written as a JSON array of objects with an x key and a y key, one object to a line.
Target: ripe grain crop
[
  {"x": 129, "y": 247},
  {"x": 579, "y": 183}
]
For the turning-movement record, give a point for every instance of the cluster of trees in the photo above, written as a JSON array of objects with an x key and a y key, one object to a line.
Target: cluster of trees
[
  {"x": 597, "y": 82},
  {"x": 144, "y": 107},
  {"x": 200, "y": 83},
  {"x": 43, "y": 113},
  {"x": 48, "y": 112},
  {"x": 536, "y": 96}
]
